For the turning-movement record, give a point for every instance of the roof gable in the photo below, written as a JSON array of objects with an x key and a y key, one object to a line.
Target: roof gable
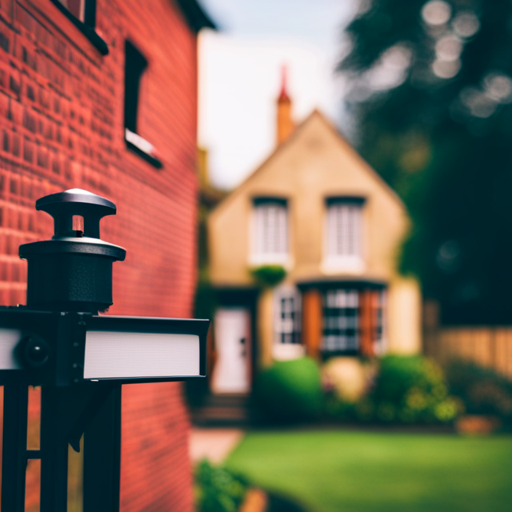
[{"x": 330, "y": 135}]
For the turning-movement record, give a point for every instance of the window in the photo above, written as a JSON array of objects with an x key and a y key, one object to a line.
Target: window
[
  {"x": 341, "y": 321},
  {"x": 82, "y": 13},
  {"x": 270, "y": 231},
  {"x": 135, "y": 65},
  {"x": 344, "y": 247},
  {"x": 287, "y": 318},
  {"x": 354, "y": 321},
  {"x": 77, "y": 8},
  {"x": 287, "y": 323}
]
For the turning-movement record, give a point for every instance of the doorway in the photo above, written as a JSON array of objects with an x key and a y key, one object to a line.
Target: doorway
[{"x": 231, "y": 373}]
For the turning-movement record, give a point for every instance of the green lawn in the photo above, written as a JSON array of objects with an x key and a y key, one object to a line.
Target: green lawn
[{"x": 339, "y": 471}]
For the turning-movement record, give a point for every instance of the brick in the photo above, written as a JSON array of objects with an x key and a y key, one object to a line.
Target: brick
[
  {"x": 29, "y": 150},
  {"x": 4, "y": 106},
  {"x": 5, "y": 74},
  {"x": 16, "y": 145},
  {"x": 30, "y": 119},
  {"x": 14, "y": 82},
  {"x": 57, "y": 72},
  {"x": 16, "y": 112}
]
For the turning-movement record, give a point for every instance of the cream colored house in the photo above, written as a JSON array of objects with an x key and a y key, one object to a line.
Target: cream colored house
[{"x": 316, "y": 208}]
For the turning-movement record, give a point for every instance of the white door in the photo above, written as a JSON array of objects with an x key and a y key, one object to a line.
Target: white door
[{"x": 231, "y": 371}]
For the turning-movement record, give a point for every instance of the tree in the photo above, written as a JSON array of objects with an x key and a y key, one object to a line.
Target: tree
[{"x": 431, "y": 94}]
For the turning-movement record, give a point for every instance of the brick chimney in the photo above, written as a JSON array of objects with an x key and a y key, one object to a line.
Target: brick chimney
[{"x": 285, "y": 124}]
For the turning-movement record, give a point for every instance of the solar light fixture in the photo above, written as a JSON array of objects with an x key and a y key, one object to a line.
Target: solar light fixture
[
  {"x": 66, "y": 348},
  {"x": 79, "y": 358}
]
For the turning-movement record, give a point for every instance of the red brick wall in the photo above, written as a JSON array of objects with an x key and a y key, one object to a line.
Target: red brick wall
[{"x": 61, "y": 126}]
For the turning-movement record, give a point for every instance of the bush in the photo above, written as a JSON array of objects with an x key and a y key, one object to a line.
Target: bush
[
  {"x": 409, "y": 389},
  {"x": 483, "y": 391},
  {"x": 218, "y": 489},
  {"x": 290, "y": 391},
  {"x": 268, "y": 276},
  {"x": 406, "y": 389}
]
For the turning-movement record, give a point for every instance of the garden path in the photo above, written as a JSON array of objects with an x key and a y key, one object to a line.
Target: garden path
[{"x": 214, "y": 444}]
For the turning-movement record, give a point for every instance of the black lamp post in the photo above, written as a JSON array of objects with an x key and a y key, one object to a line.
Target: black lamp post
[{"x": 80, "y": 359}]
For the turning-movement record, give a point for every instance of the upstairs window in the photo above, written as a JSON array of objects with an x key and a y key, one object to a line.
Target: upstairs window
[
  {"x": 270, "y": 240},
  {"x": 344, "y": 241},
  {"x": 78, "y": 9},
  {"x": 82, "y": 13},
  {"x": 135, "y": 66}
]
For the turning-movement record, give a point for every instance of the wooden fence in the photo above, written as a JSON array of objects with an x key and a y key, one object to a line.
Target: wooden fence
[{"x": 487, "y": 346}]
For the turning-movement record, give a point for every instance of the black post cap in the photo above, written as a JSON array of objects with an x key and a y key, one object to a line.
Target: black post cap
[
  {"x": 73, "y": 270},
  {"x": 64, "y": 205}
]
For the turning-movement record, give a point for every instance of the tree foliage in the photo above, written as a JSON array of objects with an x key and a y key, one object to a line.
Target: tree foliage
[{"x": 431, "y": 93}]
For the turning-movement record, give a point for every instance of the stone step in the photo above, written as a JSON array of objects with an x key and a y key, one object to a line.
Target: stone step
[{"x": 225, "y": 410}]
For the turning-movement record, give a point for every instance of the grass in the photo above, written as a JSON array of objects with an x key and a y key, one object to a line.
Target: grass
[{"x": 339, "y": 471}]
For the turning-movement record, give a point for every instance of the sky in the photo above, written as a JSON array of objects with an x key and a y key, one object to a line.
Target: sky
[{"x": 240, "y": 74}]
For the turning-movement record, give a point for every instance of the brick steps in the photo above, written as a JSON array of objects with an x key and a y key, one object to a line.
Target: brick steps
[{"x": 224, "y": 410}]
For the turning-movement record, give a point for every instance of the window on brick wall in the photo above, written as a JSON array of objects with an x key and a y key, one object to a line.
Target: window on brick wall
[
  {"x": 135, "y": 67},
  {"x": 82, "y": 13},
  {"x": 78, "y": 9}
]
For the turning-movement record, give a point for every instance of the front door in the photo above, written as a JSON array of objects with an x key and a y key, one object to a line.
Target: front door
[{"x": 231, "y": 371}]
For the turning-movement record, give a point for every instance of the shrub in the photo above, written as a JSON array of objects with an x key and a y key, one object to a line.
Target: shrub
[
  {"x": 290, "y": 390},
  {"x": 268, "y": 275},
  {"x": 218, "y": 489},
  {"x": 409, "y": 389},
  {"x": 482, "y": 390},
  {"x": 406, "y": 389}
]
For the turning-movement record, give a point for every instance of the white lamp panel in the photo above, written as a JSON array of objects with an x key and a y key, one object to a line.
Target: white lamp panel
[
  {"x": 118, "y": 355},
  {"x": 9, "y": 338}
]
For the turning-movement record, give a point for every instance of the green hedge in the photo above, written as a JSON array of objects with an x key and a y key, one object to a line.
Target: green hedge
[
  {"x": 218, "y": 489},
  {"x": 290, "y": 391},
  {"x": 407, "y": 389},
  {"x": 482, "y": 390}
]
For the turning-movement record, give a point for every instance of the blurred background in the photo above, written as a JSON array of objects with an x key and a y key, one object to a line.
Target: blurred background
[{"x": 355, "y": 249}]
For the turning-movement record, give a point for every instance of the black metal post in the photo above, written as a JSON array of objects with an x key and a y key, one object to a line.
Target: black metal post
[
  {"x": 54, "y": 451},
  {"x": 14, "y": 448},
  {"x": 102, "y": 457}
]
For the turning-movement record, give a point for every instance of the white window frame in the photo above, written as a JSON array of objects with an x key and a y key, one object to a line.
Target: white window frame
[
  {"x": 380, "y": 310},
  {"x": 344, "y": 236},
  {"x": 271, "y": 246},
  {"x": 290, "y": 327}
]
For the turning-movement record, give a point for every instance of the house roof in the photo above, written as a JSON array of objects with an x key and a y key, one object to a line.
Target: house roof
[
  {"x": 196, "y": 16},
  {"x": 293, "y": 140}
]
